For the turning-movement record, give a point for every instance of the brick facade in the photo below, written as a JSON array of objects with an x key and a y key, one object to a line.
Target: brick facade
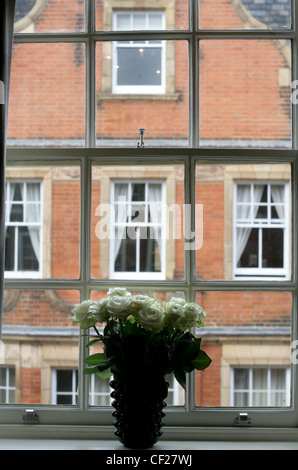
[{"x": 244, "y": 97}]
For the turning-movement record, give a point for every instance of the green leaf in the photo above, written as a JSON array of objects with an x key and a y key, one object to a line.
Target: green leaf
[
  {"x": 96, "y": 340},
  {"x": 95, "y": 359},
  {"x": 105, "y": 374},
  {"x": 103, "y": 366},
  {"x": 90, "y": 370},
  {"x": 202, "y": 361}
]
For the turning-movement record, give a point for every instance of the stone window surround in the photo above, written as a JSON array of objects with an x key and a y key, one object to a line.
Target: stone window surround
[
  {"x": 167, "y": 173},
  {"x": 232, "y": 173},
  {"x": 26, "y": 24},
  {"x": 109, "y": 6},
  {"x": 45, "y": 175},
  {"x": 250, "y": 353}
]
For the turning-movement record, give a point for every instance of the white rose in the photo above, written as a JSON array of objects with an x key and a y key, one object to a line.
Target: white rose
[
  {"x": 83, "y": 316},
  {"x": 174, "y": 310},
  {"x": 119, "y": 306},
  {"x": 193, "y": 315},
  {"x": 121, "y": 291},
  {"x": 140, "y": 301},
  {"x": 99, "y": 310},
  {"x": 151, "y": 317}
]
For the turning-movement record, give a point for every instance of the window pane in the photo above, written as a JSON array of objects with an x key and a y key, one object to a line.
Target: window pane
[
  {"x": 236, "y": 234},
  {"x": 245, "y": 100},
  {"x": 47, "y": 97},
  {"x": 137, "y": 221},
  {"x": 139, "y": 66},
  {"x": 176, "y": 15},
  {"x": 43, "y": 238},
  {"x": 244, "y": 329},
  {"x": 273, "y": 248},
  {"x": 36, "y": 16},
  {"x": 44, "y": 317},
  {"x": 245, "y": 14},
  {"x": 148, "y": 85}
]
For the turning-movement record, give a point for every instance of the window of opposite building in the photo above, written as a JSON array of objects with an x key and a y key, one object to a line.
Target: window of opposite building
[
  {"x": 137, "y": 247},
  {"x": 139, "y": 66},
  {"x": 261, "y": 235},
  {"x": 23, "y": 239},
  {"x": 260, "y": 386}
]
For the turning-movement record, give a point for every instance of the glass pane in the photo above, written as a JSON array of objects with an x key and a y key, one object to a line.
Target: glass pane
[
  {"x": 126, "y": 255},
  {"x": 27, "y": 259},
  {"x": 148, "y": 85},
  {"x": 245, "y": 14},
  {"x": 133, "y": 241},
  {"x": 245, "y": 100},
  {"x": 249, "y": 256},
  {"x": 47, "y": 97},
  {"x": 244, "y": 329},
  {"x": 36, "y": 16},
  {"x": 175, "y": 15},
  {"x": 138, "y": 66},
  {"x": 47, "y": 242},
  {"x": 99, "y": 389},
  {"x": 235, "y": 236},
  {"x": 273, "y": 245},
  {"x": 64, "y": 380},
  {"x": 44, "y": 316}
]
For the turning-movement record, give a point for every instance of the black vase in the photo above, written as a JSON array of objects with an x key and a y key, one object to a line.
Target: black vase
[{"x": 139, "y": 402}]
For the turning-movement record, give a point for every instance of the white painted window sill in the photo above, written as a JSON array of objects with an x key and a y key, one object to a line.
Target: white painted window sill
[{"x": 114, "y": 446}]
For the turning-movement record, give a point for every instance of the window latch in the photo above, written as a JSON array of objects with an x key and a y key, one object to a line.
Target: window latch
[
  {"x": 142, "y": 133},
  {"x": 30, "y": 417},
  {"x": 243, "y": 420}
]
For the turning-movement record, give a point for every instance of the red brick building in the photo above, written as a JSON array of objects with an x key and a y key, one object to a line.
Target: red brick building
[{"x": 244, "y": 102}]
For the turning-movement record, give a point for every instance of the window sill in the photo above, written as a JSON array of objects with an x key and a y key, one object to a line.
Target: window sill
[
  {"x": 137, "y": 97},
  {"x": 42, "y": 437},
  {"x": 172, "y": 446}
]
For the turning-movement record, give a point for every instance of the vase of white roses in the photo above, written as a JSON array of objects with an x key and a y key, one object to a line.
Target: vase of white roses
[{"x": 143, "y": 341}]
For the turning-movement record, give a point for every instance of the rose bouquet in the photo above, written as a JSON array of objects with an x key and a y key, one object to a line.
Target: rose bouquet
[{"x": 141, "y": 334}]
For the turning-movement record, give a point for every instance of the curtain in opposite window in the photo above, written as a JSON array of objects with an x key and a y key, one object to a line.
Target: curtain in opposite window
[
  {"x": 7, "y": 9},
  {"x": 244, "y": 197}
]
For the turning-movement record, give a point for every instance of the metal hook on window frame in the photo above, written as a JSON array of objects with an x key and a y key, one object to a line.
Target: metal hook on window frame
[{"x": 142, "y": 133}]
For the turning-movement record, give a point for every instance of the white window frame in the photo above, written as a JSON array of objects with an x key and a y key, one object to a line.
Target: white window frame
[
  {"x": 194, "y": 422},
  {"x": 251, "y": 390},
  {"x": 261, "y": 272},
  {"x": 74, "y": 385},
  {"x": 138, "y": 274},
  {"x": 7, "y": 387},
  {"x": 26, "y": 274},
  {"x": 138, "y": 89}
]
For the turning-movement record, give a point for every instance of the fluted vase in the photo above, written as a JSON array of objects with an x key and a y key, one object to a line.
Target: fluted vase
[{"x": 139, "y": 400}]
